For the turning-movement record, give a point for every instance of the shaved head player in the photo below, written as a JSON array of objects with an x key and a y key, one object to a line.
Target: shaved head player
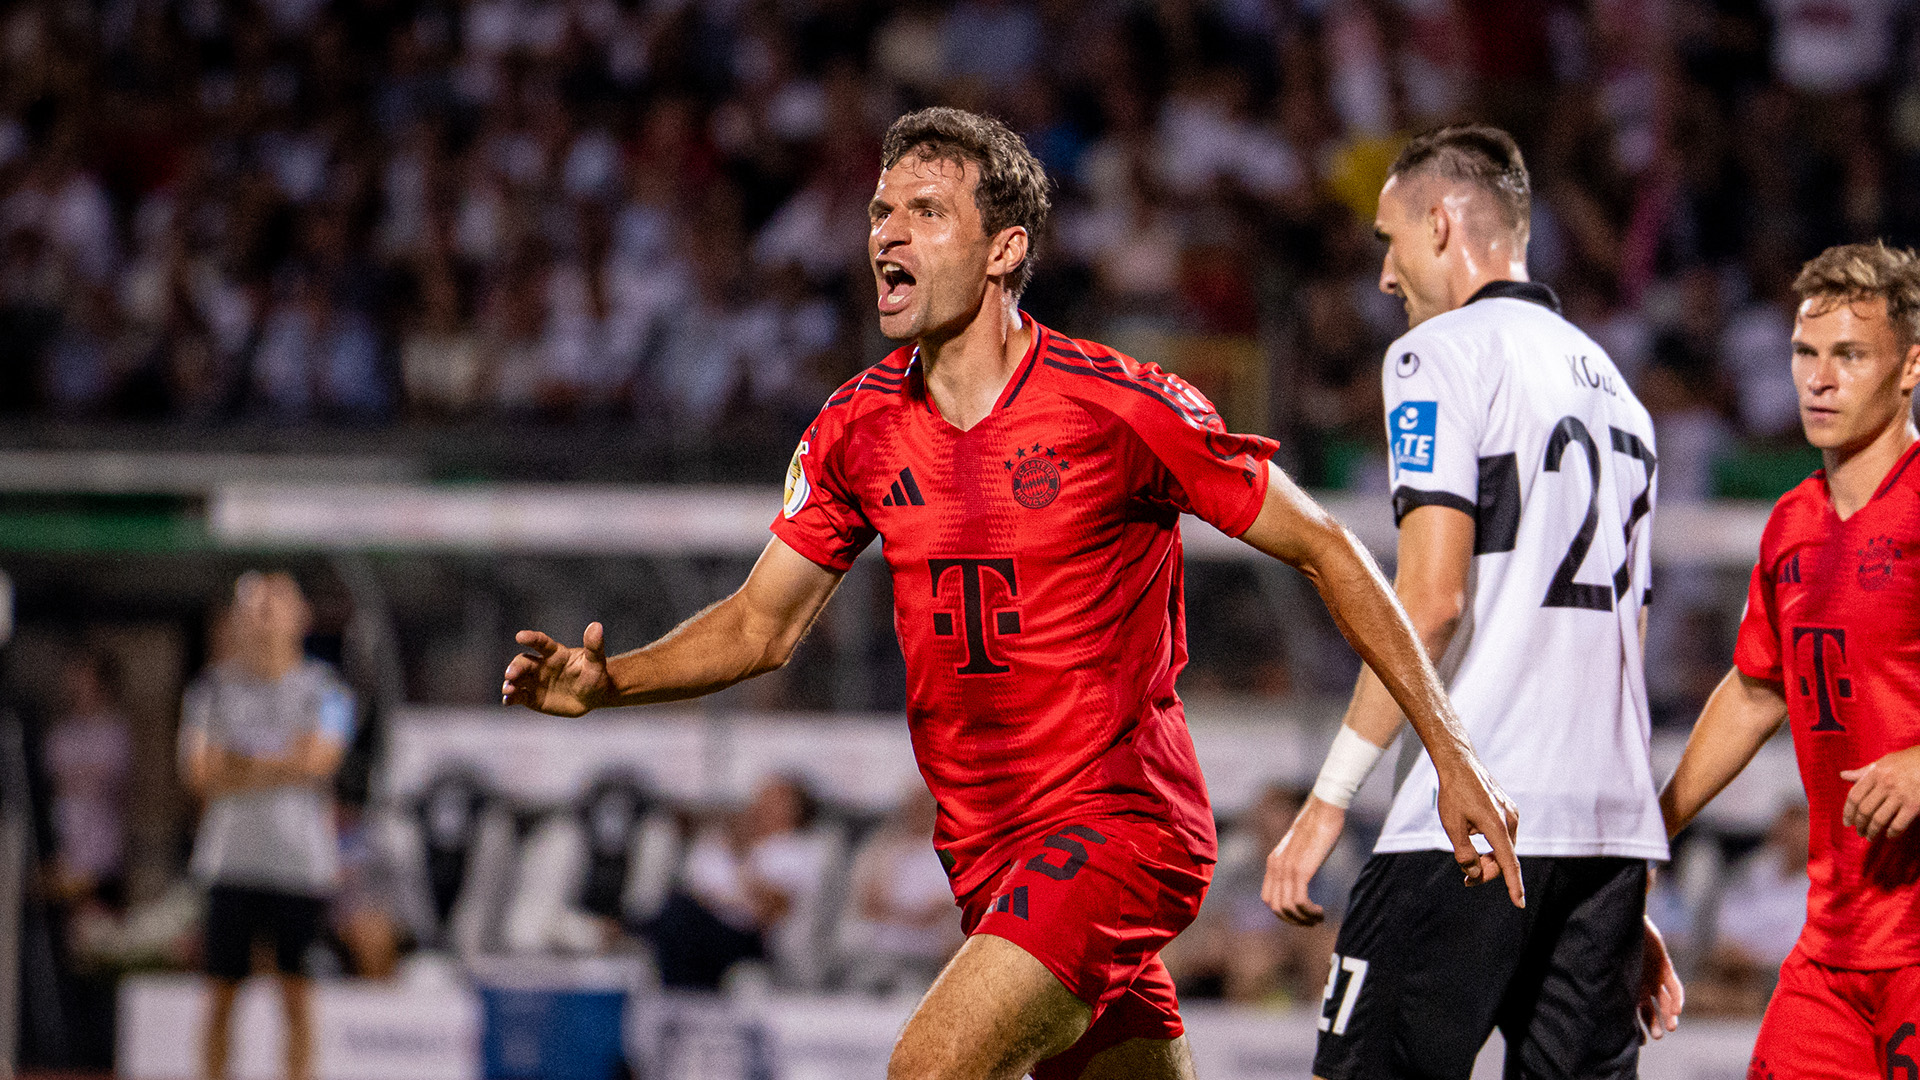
[
  {"x": 1523, "y": 473},
  {"x": 1029, "y": 488},
  {"x": 1830, "y": 645}
]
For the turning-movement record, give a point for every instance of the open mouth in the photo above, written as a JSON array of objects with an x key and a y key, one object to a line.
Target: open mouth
[{"x": 896, "y": 287}]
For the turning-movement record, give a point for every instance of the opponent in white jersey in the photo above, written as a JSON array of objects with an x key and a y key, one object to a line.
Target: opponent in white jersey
[
  {"x": 1524, "y": 474},
  {"x": 1507, "y": 413}
]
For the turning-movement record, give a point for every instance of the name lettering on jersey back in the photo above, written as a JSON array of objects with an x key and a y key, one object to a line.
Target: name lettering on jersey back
[
  {"x": 1830, "y": 683},
  {"x": 1587, "y": 376},
  {"x": 1413, "y": 427},
  {"x": 976, "y": 575}
]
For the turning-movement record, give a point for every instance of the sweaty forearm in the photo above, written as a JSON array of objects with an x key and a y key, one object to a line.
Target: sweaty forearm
[
  {"x": 1400, "y": 678},
  {"x": 1739, "y": 718},
  {"x": 1373, "y": 714},
  {"x": 725, "y": 644}
]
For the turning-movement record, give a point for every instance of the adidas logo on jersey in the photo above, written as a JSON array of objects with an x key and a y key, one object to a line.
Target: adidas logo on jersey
[{"x": 905, "y": 492}]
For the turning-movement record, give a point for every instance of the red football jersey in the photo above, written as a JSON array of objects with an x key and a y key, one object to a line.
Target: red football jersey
[
  {"x": 1833, "y": 614},
  {"x": 1037, "y": 580}
]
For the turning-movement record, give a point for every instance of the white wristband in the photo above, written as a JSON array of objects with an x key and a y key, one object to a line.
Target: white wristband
[{"x": 1348, "y": 763}]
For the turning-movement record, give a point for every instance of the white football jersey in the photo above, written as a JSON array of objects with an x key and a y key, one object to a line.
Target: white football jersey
[{"x": 1507, "y": 412}]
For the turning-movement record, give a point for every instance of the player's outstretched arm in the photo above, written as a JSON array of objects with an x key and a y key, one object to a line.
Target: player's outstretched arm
[
  {"x": 1297, "y": 531},
  {"x": 1741, "y": 715},
  {"x": 751, "y": 632},
  {"x": 1435, "y": 558}
]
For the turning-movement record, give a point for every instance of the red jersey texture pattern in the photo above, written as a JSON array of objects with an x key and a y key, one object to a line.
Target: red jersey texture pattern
[
  {"x": 1037, "y": 581},
  {"x": 1833, "y": 615}
]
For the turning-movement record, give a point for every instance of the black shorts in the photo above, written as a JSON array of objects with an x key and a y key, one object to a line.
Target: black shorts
[
  {"x": 237, "y": 917},
  {"x": 1424, "y": 969}
]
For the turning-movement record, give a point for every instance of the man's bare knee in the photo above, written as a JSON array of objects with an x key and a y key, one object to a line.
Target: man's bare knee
[{"x": 993, "y": 1013}]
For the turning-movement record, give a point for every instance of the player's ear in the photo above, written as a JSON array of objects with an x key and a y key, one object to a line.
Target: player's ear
[
  {"x": 1439, "y": 226},
  {"x": 1910, "y": 369},
  {"x": 1009, "y": 251}
]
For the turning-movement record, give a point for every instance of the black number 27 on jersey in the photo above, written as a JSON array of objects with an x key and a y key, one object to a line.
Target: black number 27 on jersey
[{"x": 1563, "y": 591}]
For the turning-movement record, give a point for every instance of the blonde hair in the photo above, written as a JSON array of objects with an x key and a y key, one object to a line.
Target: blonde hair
[{"x": 1851, "y": 272}]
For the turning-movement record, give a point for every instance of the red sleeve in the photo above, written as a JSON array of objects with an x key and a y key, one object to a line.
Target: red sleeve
[
  {"x": 1757, "y": 651},
  {"x": 1211, "y": 473},
  {"x": 819, "y": 518}
]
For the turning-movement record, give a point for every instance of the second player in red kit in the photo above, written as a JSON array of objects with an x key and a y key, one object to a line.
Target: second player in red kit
[
  {"x": 1028, "y": 488},
  {"x": 1830, "y": 643}
]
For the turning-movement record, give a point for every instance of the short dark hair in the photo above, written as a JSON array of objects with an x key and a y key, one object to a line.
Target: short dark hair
[
  {"x": 1013, "y": 187},
  {"x": 1478, "y": 154},
  {"x": 1850, "y": 272}
]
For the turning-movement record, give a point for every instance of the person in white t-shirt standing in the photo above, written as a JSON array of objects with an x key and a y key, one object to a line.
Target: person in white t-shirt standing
[
  {"x": 1523, "y": 476},
  {"x": 261, "y": 735}
]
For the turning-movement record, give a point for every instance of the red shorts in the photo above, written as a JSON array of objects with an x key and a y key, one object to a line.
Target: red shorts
[
  {"x": 1096, "y": 901},
  {"x": 1826, "y": 1022}
]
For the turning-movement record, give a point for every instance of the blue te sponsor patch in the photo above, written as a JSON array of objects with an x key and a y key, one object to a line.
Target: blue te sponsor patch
[{"x": 1410, "y": 428}]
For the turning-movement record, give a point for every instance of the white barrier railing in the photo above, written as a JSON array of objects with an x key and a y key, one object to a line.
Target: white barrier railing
[
  {"x": 578, "y": 519},
  {"x": 865, "y": 761}
]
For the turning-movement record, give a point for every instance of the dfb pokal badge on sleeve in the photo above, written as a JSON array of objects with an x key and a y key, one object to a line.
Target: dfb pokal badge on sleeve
[{"x": 797, "y": 487}]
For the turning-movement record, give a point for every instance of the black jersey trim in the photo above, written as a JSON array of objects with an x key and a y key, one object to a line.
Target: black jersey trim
[
  {"x": 1496, "y": 520},
  {"x": 1893, "y": 477},
  {"x": 1041, "y": 336},
  {"x": 1113, "y": 365},
  {"x": 877, "y": 379},
  {"x": 1531, "y": 291},
  {"x": 1496, "y": 514},
  {"x": 1095, "y": 373},
  {"x": 1112, "y": 369},
  {"x": 848, "y": 395},
  {"x": 1406, "y": 500}
]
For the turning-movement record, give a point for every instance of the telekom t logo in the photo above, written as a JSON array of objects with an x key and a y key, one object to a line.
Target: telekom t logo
[
  {"x": 1828, "y": 684},
  {"x": 974, "y": 574}
]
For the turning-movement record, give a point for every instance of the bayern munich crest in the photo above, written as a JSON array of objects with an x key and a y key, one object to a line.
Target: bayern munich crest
[
  {"x": 1877, "y": 561},
  {"x": 1036, "y": 475}
]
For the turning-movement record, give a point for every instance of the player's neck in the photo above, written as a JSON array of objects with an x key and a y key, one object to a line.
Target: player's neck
[
  {"x": 1478, "y": 272},
  {"x": 966, "y": 372},
  {"x": 1853, "y": 475}
]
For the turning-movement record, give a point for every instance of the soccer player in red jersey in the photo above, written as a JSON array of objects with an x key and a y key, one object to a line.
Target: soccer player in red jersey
[
  {"x": 1029, "y": 488},
  {"x": 1830, "y": 643}
]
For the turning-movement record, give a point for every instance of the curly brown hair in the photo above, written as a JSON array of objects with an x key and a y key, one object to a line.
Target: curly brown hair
[
  {"x": 1013, "y": 187},
  {"x": 1849, "y": 272}
]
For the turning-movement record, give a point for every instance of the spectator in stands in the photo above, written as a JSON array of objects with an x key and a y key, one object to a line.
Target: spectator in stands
[
  {"x": 88, "y": 753},
  {"x": 904, "y": 927},
  {"x": 261, "y": 736},
  {"x": 1235, "y": 947},
  {"x": 591, "y": 872},
  {"x": 1758, "y": 918},
  {"x": 748, "y": 891}
]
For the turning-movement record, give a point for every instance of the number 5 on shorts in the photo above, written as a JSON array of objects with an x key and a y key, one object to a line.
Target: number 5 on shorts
[{"x": 1355, "y": 967}]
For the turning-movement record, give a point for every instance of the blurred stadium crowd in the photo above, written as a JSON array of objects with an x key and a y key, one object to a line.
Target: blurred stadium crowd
[{"x": 375, "y": 212}]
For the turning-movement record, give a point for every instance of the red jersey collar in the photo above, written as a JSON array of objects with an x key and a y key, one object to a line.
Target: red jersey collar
[
  {"x": 1899, "y": 467},
  {"x": 1886, "y": 483},
  {"x": 917, "y": 374}
]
